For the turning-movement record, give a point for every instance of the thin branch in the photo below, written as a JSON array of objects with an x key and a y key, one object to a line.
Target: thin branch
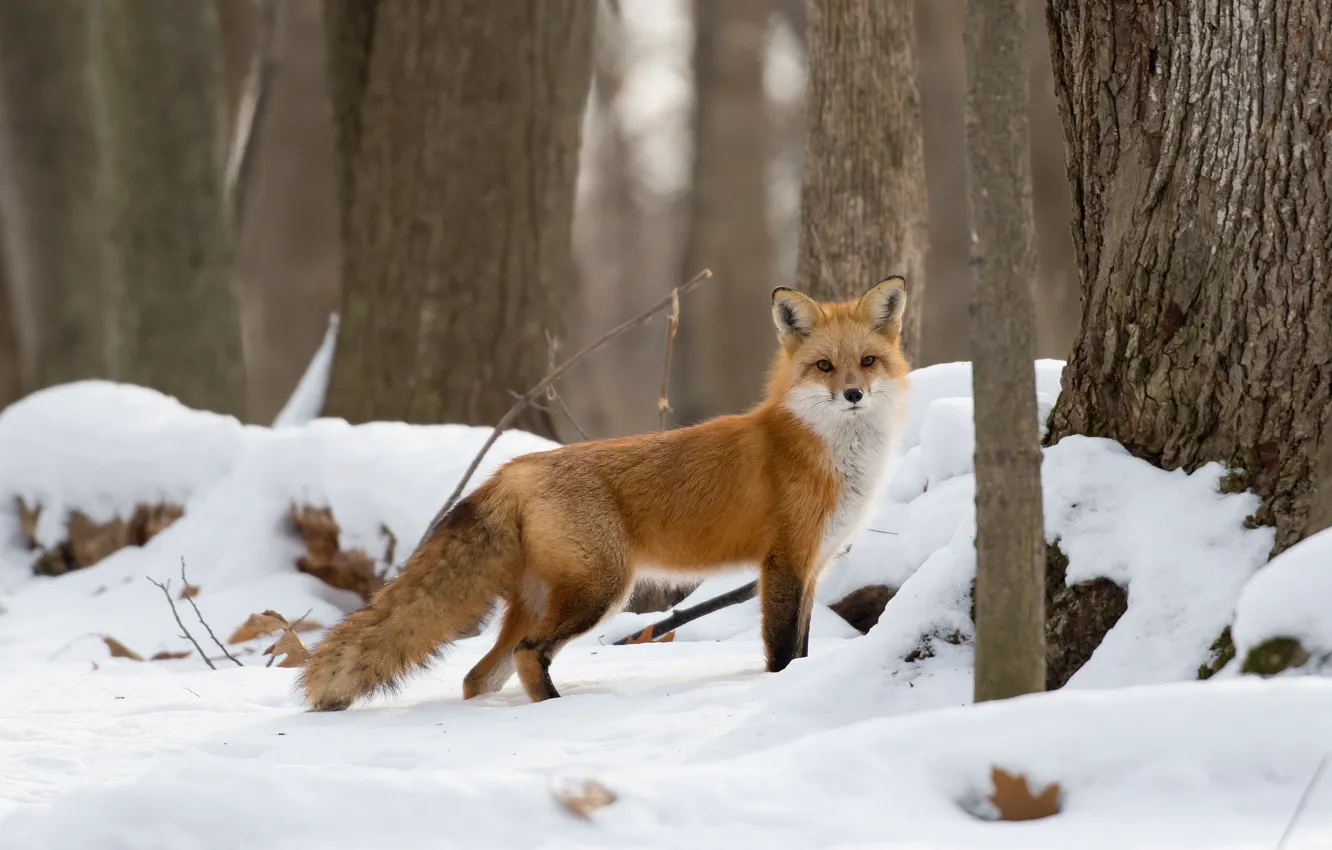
[
  {"x": 552, "y": 347},
  {"x": 197, "y": 613},
  {"x": 562, "y": 410},
  {"x": 250, "y": 114},
  {"x": 1304, "y": 801},
  {"x": 823, "y": 258},
  {"x": 554, "y": 375},
  {"x": 688, "y": 615},
  {"x": 673, "y": 327},
  {"x": 166, "y": 591}
]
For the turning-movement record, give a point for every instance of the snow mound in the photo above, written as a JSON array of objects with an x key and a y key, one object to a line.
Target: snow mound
[
  {"x": 102, "y": 448},
  {"x": 1290, "y": 598}
]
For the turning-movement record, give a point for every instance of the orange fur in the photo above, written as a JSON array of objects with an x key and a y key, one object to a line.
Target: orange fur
[{"x": 558, "y": 536}]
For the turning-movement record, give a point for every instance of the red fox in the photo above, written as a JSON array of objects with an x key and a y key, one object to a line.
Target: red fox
[{"x": 559, "y": 536}]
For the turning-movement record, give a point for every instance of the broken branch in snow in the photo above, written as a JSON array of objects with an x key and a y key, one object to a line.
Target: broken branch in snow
[
  {"x": 673, "y": 326},
  {"x": 551, "y": 377},
  {"x": 190, "y": 598},
  {"x": 185, "y": 633},
  {"x": 688, "y": 615}
]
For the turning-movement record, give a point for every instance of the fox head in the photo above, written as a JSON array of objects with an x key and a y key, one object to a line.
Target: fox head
[{"x": 841, "y": 359}]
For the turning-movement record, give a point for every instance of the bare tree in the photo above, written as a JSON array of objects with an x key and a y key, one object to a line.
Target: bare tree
[
  {"x": 458, "y": 128},
  {"x": 11, "y": 384},
  {"x": 168, "y": 251},
  {"x": 1010, "y": 531},
  {"x": 1198, "y": 157},
  {"x": 863, "y": 197},
  {"x": 48, "y": 162},
  {"x": 724, "y": 343}
]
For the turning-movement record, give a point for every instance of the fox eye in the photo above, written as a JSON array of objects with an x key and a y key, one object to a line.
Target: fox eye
[
  {"x": 867, "y": 361},
  {"x": 824, "y": 366}
]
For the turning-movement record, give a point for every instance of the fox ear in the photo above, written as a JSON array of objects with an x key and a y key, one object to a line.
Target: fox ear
[
  {"x": 883, "y": 305},
  {"x": 794, "y": 313}
]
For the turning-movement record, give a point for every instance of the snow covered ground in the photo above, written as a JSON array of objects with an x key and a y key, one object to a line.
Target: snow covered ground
[{"x": 855, "y": 746}]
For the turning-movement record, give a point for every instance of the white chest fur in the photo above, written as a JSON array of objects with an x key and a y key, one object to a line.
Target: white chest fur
[{"x": 862, "y": 447}]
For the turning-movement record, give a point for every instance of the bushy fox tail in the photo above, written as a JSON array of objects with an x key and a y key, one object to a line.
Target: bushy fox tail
[{"x": 447, "y": 588}]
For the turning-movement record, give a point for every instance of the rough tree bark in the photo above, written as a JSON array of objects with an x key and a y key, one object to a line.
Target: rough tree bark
[
  {"x": 48, "y": 156},
  {"x": 1010, "y": 530},
  {"x": 725, "y": 339},
  {"x": 458, "y": 128},
  {"x": 1197, "y": 141},
  {"x": 168, "y": 253},
  {"x": 863, "y": 194}
]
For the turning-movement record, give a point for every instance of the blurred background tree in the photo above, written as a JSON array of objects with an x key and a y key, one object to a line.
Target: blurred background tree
[{"x": 673, "y": 132}]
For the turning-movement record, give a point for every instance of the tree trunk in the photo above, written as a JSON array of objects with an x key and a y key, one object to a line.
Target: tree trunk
[
  {"x": 1010, "y": 531},
  {"x": 288, "y": 254},
  {"x": 863, "y": 197},
  {"x": 458, "y": 128},
  {"x": 169, "y": 257},
  {"x": 1197, "y": 151},
  {"x": 11, "y": 382},
  {"x": 48, "y": 157},
  {"x": 725, "y": 339}
]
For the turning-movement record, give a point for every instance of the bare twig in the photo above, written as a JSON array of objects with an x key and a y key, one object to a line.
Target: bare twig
[
  {"x": 552, "y": 347},
  {"x": 664, "y": 401},
  {"x": 250, "y": 113},
  {"x": 1304, "y": 801},
  {"x": 823, "y": 258},
  {"x": 202, "y": 621},
  {"x": 185, "y": 633},
  {"x": 562, "y": 410},
  {"x": 554, "y": 375},
  {"x": 301, "y": 619}
]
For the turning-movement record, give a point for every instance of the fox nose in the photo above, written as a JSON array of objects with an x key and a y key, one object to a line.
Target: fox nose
[{"x": 853, "y": 395}]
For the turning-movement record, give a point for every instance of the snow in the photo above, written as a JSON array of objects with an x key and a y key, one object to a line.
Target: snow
[
  {"x": 870, "y": 740},
  {"x": 1290, "y": 598}
]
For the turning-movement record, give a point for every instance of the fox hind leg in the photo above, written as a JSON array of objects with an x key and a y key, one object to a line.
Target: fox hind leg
[
  {"x": 496, "y": 666},
  {"x": 573, "y": 610}
]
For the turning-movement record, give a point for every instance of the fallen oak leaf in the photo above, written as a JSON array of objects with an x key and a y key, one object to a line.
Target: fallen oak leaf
[
  {"x": 258, "y": 625},
  {"x": 166, "y": 655},
  {"x": 583, "y": 800},
  {"x": 119, "y": 650},
  {"x": 666, "y": 638},
  {"x": 290, "y": 645},
  {"x": 1014, "y": 800}
]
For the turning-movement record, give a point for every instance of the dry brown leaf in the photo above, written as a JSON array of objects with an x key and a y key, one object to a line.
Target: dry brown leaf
[
  {"x": 1015, "y": 801},
  {"x": 290, "y": 645},
  {"x": 644, "y": 636},
  {"x": 28, "y": 522},
  {"x": 189, "y": 591},
  {"x": 301, "y": 626},
  {"x": 165, "y": 655},
  {"x": 666, "y": 638},
  {"x": 582, "y": 801},
  {"x": 119, "y": 650},
  {"x": 258, "y": 625}
]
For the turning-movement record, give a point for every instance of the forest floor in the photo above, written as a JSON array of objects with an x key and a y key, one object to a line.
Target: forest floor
[{"x": 870, "y": 741}]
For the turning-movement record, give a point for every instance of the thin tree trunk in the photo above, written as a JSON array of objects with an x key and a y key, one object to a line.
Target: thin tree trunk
[
  {"x": 458, "y": 128},
  {"x": 11, "y": 383},
  {"x": 724, "y": 342},
  {"x": 1196, "y": 137},
  {"x": 48, "y": 158},
  {"x": 1010, "y": 531},
  {"x": 288, "y": 245},
  {"x": 169, "y": 256},
  {"x": 863, "y": 196}
]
